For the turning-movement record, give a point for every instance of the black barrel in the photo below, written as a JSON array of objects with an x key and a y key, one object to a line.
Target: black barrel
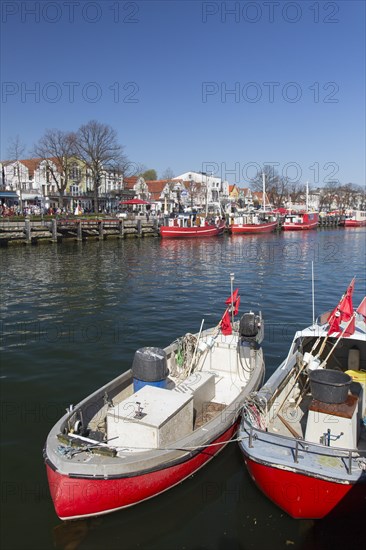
[
  {"x": 149, "y": 367},
  {"x": 329, "y": 386}
]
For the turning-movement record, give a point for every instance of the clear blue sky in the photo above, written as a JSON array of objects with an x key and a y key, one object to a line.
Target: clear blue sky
[{"x": 161, "y": 74}]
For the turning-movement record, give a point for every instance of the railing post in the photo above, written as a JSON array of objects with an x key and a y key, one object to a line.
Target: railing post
[
  {"x": 122, "y": 228},
  {"x": 139, "y": 228},
  {"x": 79, "y": 231},
  {"x": 350, "y": 462},
  {"x": 54, "y": 230},
  {"x": 101, "y": 231},
  {"x": 27, "y": 231}
]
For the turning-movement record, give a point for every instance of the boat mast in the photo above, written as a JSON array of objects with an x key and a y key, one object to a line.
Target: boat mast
[
  {"x": 312, "y": 291},
  {"x": 264, "y": 191},
  {"x": 307, "y": 196}
]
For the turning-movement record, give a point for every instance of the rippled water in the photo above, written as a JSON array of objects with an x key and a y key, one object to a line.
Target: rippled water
[{"x": 72, "y": 317}]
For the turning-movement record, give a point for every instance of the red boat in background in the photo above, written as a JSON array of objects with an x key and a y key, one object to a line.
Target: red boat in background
[
  {"x": 192, "y": 226},
  {"x": 356, "y": 218},
  {"x": 254, "y": 222},
  {"x": 301, "y": 221}
]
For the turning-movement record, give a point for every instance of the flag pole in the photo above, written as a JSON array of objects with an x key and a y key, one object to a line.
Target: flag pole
[
  {"x": 232, "y": 277},
  {"x": 312, "y": 290}
]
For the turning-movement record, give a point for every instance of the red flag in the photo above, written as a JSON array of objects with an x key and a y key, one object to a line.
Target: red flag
[
  {"x": 343, "y": 312},
  {"x": 232, "y": 299},
  {"x": 351, "y": 327},
  {"x": 236, "y": 305},
  {"x": 225, "y": 324},
  {"x": 362, "y": 307}
]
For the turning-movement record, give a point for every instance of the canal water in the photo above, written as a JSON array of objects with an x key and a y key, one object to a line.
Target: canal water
[{"x": 73, "y": 316}]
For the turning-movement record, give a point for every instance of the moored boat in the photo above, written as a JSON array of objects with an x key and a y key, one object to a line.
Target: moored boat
[
  {"x": 158, "y": 423},
  {"x": 355, "y": 218},
  {"x": 185, "y": 226},
  {"x": 300, "y": 221},
  {"x": 254, "y": 222},
  {"x": 303, "y": 434}
]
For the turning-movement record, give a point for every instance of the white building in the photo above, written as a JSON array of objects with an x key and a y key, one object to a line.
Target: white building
[{"x": 213, "y": 189}]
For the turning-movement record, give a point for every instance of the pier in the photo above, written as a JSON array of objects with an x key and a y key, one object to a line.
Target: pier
[{"x": 59, "y": 230}]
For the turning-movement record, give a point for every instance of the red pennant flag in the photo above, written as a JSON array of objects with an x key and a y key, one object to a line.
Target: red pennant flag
[
  {"x": 232, "y": 299},
  {"x": 343, "y": 311},
  {"x": 351, "y": 327},
  {"x": 362, "y": 307},
  {"x": 225, "y": 324},
  {"x": 236, "y": 305}
]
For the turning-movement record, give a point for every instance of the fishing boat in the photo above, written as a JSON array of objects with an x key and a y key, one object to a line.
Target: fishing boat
[
  {"x": 355, "y": 218},
  {"x": 158, "y": 423},
  {"x": 185, "y": 226},
  {"x": 259, "y": 221},
  {"x": 303, "y": 434},
  {"x": 253, "y": 222},
  {"x": 300, "y": 221}
]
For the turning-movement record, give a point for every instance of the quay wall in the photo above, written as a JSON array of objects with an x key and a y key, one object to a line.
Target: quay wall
[{"x": 58, "y": 230}]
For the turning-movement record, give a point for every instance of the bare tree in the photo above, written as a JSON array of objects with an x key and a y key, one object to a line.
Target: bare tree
[
  {"x": 97, "y": 146},
  {"x": 276, "y": 185},
  {"x": 57, "y": 149},
  {"x": 15, "y": 152},
  {"x": 168, "y": 174}
]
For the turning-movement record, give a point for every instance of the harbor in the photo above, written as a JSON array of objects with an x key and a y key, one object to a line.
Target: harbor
[
  {"x": 72, "y": 319},
  {"x": 57, "y": 230}
]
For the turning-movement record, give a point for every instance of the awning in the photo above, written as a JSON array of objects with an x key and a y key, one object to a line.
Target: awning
[
  {"x": 9, "y": 195},
  {"x": 134, "y": 201}
]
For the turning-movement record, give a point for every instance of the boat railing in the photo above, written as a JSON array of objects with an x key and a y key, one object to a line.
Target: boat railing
[{"x": 346, "y": 455}]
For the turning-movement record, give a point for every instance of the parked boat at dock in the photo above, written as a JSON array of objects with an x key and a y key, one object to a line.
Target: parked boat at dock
[
  {"x": 253, "y": 222},
  {"x": 303, "y": 434},
  {"x": 185, "y": 226},
  {"x": 158, "y": 423},
  {"x": 356, "y": 218},
  {"x": 300, "y": 221}
]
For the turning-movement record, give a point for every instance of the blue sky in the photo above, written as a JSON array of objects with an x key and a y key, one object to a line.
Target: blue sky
[{"x": 190, "y": 85}]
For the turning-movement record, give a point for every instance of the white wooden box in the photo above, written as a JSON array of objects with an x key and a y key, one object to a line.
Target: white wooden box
[{"x": 166, "y": 417}]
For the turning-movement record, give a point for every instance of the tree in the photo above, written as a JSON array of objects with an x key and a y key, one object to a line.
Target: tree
[
  {"x": 276, "y": 185},
  {"x": 57, "y": 149},
  {"x": 168, "y": 174},
  {"x": 15, "y": 152},
  {"x": 97, "y": 146},
  {"x": 150, "y": 175}
]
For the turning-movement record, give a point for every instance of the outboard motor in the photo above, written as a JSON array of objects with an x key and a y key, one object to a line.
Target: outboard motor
[{"x": 251, "y": 329}]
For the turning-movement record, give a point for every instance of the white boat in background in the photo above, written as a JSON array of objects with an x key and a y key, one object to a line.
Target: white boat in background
[
  {"x": 355, "y": 218},
  {"x": 303, "y": 434},
  {"x": 158, "y": 423}
]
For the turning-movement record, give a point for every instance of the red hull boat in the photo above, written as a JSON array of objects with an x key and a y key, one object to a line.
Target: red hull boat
[
  {"x": 186, "y": 227},
  {"x": 265, "y": 227},
  {"x": 356, "y": 219},
  {"x": 158, "y": 423},
  {"x": 78, "y": 497},
  {"x": 303, "y": 434},
  {"x": 301, "y": 222}
]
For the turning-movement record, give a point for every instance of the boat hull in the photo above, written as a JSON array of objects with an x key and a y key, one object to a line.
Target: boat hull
[
  {"x": 78, "y": 497},
  {"x": 176, "y": 232},
  {"x": 299, "y": 226},
  {"x": 355, "y": 223},
  {"x": 304, "y": 496},
  {"x": 237, "y": 229}
]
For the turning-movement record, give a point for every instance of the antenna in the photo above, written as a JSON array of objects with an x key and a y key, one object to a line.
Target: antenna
[
  {"x": 232, "y": 277},
  {"x": 312, "y": 290}
]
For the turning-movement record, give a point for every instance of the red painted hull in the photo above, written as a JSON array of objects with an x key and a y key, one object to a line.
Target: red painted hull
[
  {"x": 253, "y": 228},
  {"x": 305, "y": 497},
  {"x": 299, "y": 226},
  {"x": 355, "y": 223},
  {"x": 77, "y": 497},
  {"x": 176, "y": 232}
]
